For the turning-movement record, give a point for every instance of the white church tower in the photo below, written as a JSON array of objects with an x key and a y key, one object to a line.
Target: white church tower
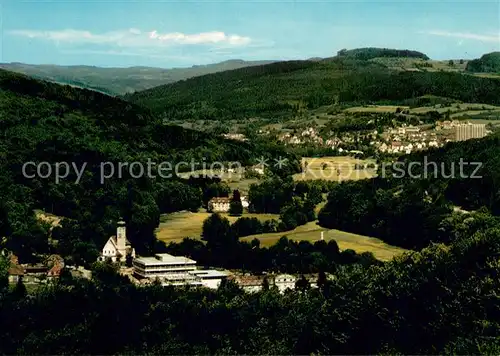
[
  {"x": 118, "y": 247},
  {"x": 121, "y": 237}
]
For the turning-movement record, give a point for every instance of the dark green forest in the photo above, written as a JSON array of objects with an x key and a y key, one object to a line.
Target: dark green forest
[
  {"x": 373, "y": 52},
  {"x": 278, "y": 90},
  {"x": 411, "y": 199},
  {"x": 44, "y": 122},
  {"x": 119, "y": 81},
  {"x": 442, "y": 300},
  {"x": 488, "y": 63}
]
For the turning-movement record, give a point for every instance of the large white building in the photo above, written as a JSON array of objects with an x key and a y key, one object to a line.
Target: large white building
[
  {"x": 469, "y": 131},
  {"x": 176, "y": 271},
  {"x": 219, "y": 205},
  {"x": 117, "y": 247}
]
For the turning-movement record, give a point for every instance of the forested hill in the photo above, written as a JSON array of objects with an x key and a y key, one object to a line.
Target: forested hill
[
  {"x": 373, "y": 52},
  {"x": 279, "y": 89},
  {"x": 118, "y": 81},
  {"x": 488, "y": 63},
  {"x": 46, "y": 122},
  {"x": 410, "y": 203}
]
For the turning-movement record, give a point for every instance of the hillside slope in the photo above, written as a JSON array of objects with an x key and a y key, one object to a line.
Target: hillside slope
[
  {"x": 118, "y": 81},
  {"x": 75, "y": 130},
  {"x": 373, "y": 52},
  {"x": 279, "y": 89},
  {"x": 488, "y": 63}
]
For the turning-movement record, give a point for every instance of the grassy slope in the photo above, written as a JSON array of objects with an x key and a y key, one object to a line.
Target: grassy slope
[
  {"x": 119, "y": 81},
  {"x": 175, "y": 227},
  {"x": 312, "y": 232}
]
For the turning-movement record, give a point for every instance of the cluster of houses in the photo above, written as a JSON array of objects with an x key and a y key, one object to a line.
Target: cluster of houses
[
  {"x": 405, "y": 140},
  {"x": 35, "y": 273},
  {"x": 399, "y": 140},
  {"x": 164, "y": 268},
  {"x": 235, "y": 136},
  {"x": 310, "y": 134},
  {"x": 252, "y": 283}
]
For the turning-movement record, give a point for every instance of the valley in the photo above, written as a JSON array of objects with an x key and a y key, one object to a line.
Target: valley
[{"x": 309, "y": 207}]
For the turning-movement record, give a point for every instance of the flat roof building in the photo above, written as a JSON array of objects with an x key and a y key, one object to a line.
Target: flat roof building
[
  {"x": 176, "y": 271},
  {"x": 470, "y": 131}
]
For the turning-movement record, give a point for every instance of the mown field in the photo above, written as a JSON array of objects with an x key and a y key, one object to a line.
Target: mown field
[
  {"x": 235, "y": 180},
  {"x": 334, "y": 168},
  {"x": 312, "y": 232},
  {"x": 176, "y": 226},
  {"x": 375, "y": 109}
]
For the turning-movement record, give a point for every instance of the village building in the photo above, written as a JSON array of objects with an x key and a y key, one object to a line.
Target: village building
[
  {"x": 117, "y": 247},
  {"x": 175, "y": 271},
  {"x": 235, "y": 136},
  {"x": 244, "y": 202},
  {"x": 15, "y": 271},
  {"x": 219, "y": 205},
  {"x": 250, "y": 284},
  {"x": 284, "y": 282},
  {"x": 253, "y": 284},
  {"x": 35, "y": 273}
]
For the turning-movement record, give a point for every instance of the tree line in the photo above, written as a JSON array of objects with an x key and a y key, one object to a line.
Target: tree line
[
  {"x": 46, "y": 122},
  {"x": 441, "y": 300}
]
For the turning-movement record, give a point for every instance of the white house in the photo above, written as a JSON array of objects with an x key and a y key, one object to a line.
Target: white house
[
  {"x": 219, "y": 205},
  {"x": 284, "y": 282},
  {"x": 244, "y": 202},
  {"x": 117, "y": 247}
]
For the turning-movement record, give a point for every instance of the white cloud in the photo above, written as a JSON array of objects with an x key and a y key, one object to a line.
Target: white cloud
[
  {"x": 466, "y": 36},
  {"x": 135, "y": 38}
]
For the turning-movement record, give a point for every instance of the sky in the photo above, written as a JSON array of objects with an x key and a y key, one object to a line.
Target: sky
[{"x": 183, "y": 33}]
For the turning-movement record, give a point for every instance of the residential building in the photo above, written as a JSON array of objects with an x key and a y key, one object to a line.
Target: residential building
[
  {"x": 118, "y": 246},
  {"x": 252, "y": 283},
  {"x": 219, "y": 205},
  {"x": 35, "y": 273},
  {"x": 15, "y": 271},
  {"x": 284, "y": 282},
  {"x": 244, "y": 202},
  {"x": 235, "y": 136},
  {"x": 469, "y": 131}
]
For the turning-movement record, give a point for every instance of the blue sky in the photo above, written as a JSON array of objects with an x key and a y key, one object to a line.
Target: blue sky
[{"x": 182, "y": 33}]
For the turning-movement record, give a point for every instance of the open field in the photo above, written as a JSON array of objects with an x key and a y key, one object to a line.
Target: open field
[
  {"x": 235, "y": 180},
  {"x": 376, "y": 108},
  {"x": 176, "y": 226},
  {"x": 456, "y": 108},
  {"x": 471, "y": 113},
  {"x": 53, "y": 220},
  {"x": 337, "y": 169},
  {"x": 312, "y": 232},
  {"x": 410, "y": 64},
  {"x": 487, "y": 75}
]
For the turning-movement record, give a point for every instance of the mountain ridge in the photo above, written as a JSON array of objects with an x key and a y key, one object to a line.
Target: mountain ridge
[{"x": 121, "y": 80}]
